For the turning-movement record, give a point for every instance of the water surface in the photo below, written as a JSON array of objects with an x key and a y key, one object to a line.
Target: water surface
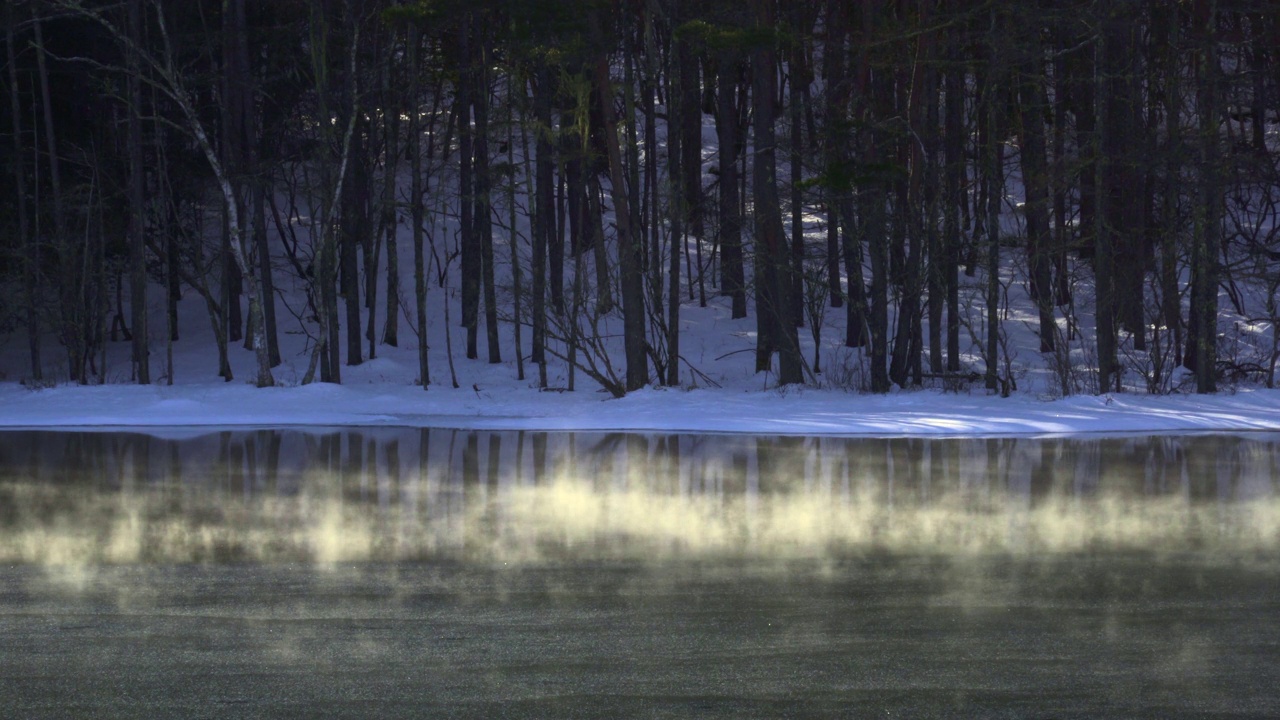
[{"x": 412, "y": 573}]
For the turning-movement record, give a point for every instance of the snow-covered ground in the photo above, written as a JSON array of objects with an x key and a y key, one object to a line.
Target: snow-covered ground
[
  {"x": 725, "y": 395},
  {"x": 379, "y": 393}
]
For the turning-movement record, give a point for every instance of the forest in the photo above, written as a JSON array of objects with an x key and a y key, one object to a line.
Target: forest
[{"x": 575, "y": 174}]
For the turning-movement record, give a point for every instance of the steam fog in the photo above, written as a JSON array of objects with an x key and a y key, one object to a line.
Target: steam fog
[{"x": 81, "y": 499}]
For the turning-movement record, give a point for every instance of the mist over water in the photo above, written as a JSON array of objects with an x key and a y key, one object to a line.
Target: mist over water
[
  {"x": 439, "y": 573},
  {"x": 386, "y": 495}
]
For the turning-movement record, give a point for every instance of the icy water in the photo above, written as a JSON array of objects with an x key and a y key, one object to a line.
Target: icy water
[{"x": 442, "y": 573}]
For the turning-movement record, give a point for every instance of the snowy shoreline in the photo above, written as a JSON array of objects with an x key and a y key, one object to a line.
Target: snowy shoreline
[{"x": 923, "y": 413}]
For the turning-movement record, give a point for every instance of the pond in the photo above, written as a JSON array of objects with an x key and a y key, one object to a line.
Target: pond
[{"x": 413, "y": 572}]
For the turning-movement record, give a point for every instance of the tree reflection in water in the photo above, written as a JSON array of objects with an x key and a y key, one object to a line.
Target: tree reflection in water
[{"x": 409, "y": 494}]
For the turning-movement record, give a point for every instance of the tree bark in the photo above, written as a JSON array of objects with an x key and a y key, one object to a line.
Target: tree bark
[
  {"x": 629, "y": 259},
  {"x": 1103, "y": 233},
  {"x": 1205, "y": 252},
  {"x": 483, "y": 222},
  {"x": 416, "y": 210},
  {"x": 953, "y": 151},
  {"x": 677, "y": 214},
  {"x": 733, "y": 279},
  {"x": 137, "y": 207},
  {"x": 470, "y": 246},
  {"x": 355, "y": 233},
  {"x": 73, "y": 328},
  {"x": 773, "y": 258},
  {"x": 1035, "y": 183},
  {"x": 544, "y": 208},
  {"x": 390, "y": 211},
  {"x": 26, "y": 240},
  {"x": 994, "y": 178}
]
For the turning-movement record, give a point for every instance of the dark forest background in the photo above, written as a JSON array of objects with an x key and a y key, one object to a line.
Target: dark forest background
[{"x": 603, "y": 163}]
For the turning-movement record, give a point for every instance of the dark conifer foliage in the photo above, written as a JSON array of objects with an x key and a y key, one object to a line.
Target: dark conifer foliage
[{"x": 585, "y": 168}]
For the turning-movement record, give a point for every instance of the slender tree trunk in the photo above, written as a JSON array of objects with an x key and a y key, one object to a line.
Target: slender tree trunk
[
  {"x": 832, "y": 72},
  {"x": 631, "y": 156},
  {"x": 169, "y": 250},
  {"x": 1121, "y": 184},
  {"x": 555, "y": 241},
  {"x": 1261, "y": 57},
  {"x": 517, "y": 288},
  {"x": 483, "y": 223},
  {"x": 772, "y": 252},
  {"x": 936, "y": 264},
  {"x": 234, "y": 79},
  {"x": 470, "y": 249},
  {"x": 629, "y": 259},
  {"x": 137, "y": 208},
  {"x": 1103, "y": 233},
  {"x": 1205, "y": 255},
  {"x": 355, "y": 233},
  {"x": 26, "y": 239},
  {"x": 953, "y": 151},
  {"x": 264, "y": 321},
  {"x": 1060, "y": 183},
  {"x": 648, "y": 94},
  {"x": 1035, "y": 182},
  {"x": 73, "y": 330},
  {"x": 914, "y": 219},
  {"x": 795, "y": 94},
  {"x": 264, "y": 267},
  {"x": 995, "y": 192},
  {"x": 1170, "y": 298},
  {"x": 733, "y": 279},
  {"x": 676, "y": 214},
  {"x": 1083, "y": 85},
  {"x": 871, "y": 212},
  {"x": 390, "y": 213},
  {"x": 593, "y": 223},
  {"x": 544, "y": 209},
  {"x": 416, "y": 210},
  {"x": 690, "y": 124}
]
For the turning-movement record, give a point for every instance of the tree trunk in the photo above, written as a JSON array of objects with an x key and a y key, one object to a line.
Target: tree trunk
[
  {"x": 355, "y": 233},
  {"x": 1170, "y": 298},
  {"x": 416, "y": 210},
  {"x": 1103, "y": 233},
  {"x": 912, "y": 217},
  {"x": 953, "y": 151},
  {"x": 677, "y": 214},
  {"x": 871, "y": 212},
  {"x": 470, "y": 245},
  {"x": 137, "y": 208},
  {"x": 271, "y": 331},
  {"x": 629, "y": 258},
  {"x": 936, "y": 264},
  {"x": 74, "y": 322},
  {"x": 1083, "y": 83},
  {"x": 1035, "y": 182},
  {"x": 1205, "y": 252},
  {"x": 733, "y": 279},
  {"x": 773, "y": 258},
  {"x": 544, "y": 208},
  {"x": 795, "y": 97},
  {"x": 995, "y": 191},
  {"x": 1060, "y": 182},
  {"x": 483, "y": 223},
  {"x": 1121, "y": 183},
  {"x": 390, "y": 213},
  {"x": 26, "y": 240},
  {"x": 517, "y": 285},
  {"x": 690, "y": 123}
]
